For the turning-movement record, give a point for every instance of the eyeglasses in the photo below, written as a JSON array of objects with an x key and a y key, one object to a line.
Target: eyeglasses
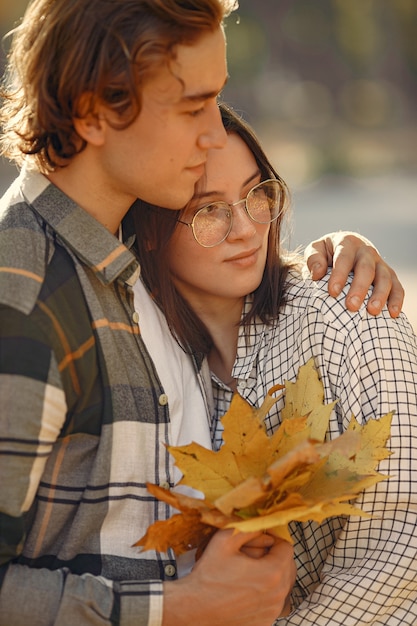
[{"x": 212, "y": 224}]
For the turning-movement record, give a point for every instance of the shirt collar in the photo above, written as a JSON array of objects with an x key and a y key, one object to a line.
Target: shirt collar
[{"x": 89, "y": 240}]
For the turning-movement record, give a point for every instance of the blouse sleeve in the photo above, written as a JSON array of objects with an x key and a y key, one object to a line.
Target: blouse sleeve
[{"x": 357, "y": 571}]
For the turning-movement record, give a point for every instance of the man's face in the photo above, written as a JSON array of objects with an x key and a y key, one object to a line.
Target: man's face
[{"x": 160, "y": 157}]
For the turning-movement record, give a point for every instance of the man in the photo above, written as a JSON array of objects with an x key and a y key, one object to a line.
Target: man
[{"x": 109, "y": 101}]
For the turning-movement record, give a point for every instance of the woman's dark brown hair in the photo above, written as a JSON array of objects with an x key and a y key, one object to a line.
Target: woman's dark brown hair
[
  {"x": 154, "y": 227},
  {"x": 67, "y": 55}
]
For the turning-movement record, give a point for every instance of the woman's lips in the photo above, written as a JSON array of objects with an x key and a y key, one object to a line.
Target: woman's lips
[{"x": 245, "y": 258}]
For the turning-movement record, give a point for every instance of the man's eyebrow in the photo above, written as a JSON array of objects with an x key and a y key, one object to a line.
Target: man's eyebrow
[{"x": 207, "y": 95}]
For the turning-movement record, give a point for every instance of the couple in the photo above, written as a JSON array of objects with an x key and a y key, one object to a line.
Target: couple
[{"x": 108, "y": 104}]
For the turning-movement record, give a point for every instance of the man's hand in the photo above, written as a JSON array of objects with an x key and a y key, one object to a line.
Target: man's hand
[
  {"x": 347, "y": 252},
  {"x": 227, "y": 587}
]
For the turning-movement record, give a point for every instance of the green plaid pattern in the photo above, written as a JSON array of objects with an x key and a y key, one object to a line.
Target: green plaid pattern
[{"x": 81, "y": 424}]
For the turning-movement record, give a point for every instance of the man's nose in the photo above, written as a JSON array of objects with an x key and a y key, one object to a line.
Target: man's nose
[{"x": 214, "y": 135}]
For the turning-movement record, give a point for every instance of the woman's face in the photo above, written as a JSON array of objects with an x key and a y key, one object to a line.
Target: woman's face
[{"x": 235, "y": 267}]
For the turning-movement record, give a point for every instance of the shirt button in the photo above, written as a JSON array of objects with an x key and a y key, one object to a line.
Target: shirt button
[
  {"x": 163, "y": 399},
  {"x": 164, "y": 485},
  {"x": 135, "y": 317},
  {"x": 242, "y": 384},
  {"x": 170, "y": 570}
]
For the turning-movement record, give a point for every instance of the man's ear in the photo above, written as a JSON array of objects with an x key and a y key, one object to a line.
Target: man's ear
[{"x": 90, "y": 125}]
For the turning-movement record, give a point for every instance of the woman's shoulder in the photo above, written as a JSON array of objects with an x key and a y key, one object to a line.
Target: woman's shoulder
[{"x": 304, "y": 295}]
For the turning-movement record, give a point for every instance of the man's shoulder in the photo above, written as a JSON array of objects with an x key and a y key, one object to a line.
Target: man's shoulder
[
  {"x": 15, "y": 214},
  {"x": 23, "y": 251}
]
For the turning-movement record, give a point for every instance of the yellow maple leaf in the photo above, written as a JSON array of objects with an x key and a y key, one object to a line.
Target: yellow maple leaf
[
  {"x": 305, "y": 398},
  {"x": 260, "y": 482},
  {"x": 215, "y": 473},
  {"x": 374, "y": 435}
]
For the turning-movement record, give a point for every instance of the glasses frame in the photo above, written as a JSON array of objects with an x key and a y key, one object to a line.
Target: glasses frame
[{"x": 231, "y": 205}]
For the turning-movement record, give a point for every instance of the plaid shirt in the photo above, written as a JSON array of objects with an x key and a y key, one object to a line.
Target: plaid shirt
[
  {"x": 350, "y": 571},
  {"x": 82, "y": 417}
]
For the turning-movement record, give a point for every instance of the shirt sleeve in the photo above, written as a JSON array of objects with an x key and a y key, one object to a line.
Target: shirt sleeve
[
  {"x": 42, "y": 596},
  {"x": 32, "y": 414},
  {"x": 368, "y": 567}
]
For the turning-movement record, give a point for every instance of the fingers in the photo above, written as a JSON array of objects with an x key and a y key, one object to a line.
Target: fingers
[
  {"x": 351, "y": 253},
  {"x": 348, "y": 252},
  {"x": 254, "y": 553},
  {"x": 236, "y": 541},
  {"x": 258, "y": 547},
  {"x": 364, "y": 275},
  {"x": 254, "y": 545},
  {"x": 387, "y": 290},
  {"x": 342, "y": 266},
  {"x": 396, "y": 295},
  {"x": 283, "y": 550},
  {"x": 229, "y": 544},
  {"x": 317, "y": 258}
]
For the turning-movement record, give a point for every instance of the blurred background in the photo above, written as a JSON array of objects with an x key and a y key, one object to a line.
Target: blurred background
[{"x": 330, "y": 87}]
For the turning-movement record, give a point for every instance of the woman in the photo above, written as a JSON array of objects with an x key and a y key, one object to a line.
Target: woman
[{"x": 234, "y": 300}]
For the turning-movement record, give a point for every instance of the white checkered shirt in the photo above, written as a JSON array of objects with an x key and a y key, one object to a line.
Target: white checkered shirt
[{"x": 350, "y": 571}]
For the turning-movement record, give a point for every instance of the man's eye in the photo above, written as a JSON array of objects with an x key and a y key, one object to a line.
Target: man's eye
[{"x": 196, "y": 112}]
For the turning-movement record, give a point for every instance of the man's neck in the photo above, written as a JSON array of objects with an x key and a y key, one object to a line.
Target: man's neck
[{"x": 82, "y": 182}]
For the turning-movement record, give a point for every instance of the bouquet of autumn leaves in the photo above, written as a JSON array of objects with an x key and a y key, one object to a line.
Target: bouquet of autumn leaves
[{"x": 257, "y": 482}]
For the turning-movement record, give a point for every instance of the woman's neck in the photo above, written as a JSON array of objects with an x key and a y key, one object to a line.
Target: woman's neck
[
  {"x": 221, "y": 316},
  {"x": 221, "y": 360},
  {"x": 222, "y": 322}
]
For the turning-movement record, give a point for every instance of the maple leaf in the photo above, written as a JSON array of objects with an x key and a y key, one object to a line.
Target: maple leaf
[{"x": 257, "y": 482}]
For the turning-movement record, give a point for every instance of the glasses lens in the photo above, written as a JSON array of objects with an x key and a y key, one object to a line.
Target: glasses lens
[
  {"x": 212, "y": 223},
  {"x": 264, "y": 202}
]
